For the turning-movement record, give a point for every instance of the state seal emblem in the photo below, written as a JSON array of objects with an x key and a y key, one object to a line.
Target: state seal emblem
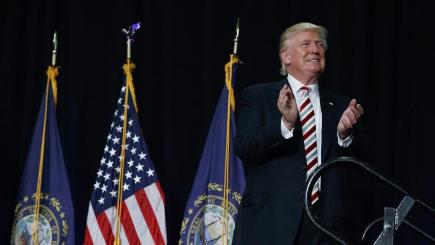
[
  {"x": 52, "y": 223},
  {"x": 206, "y": 221}
]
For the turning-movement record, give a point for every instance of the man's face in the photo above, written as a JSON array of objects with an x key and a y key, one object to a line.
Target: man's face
[{"x": 306, "y": 55}]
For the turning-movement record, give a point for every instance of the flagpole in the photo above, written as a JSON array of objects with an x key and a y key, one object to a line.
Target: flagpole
[
  {"x": 129, "y": 81},
  {"x": 36, "y": 210},
  {"x": 230, "y": 107}
]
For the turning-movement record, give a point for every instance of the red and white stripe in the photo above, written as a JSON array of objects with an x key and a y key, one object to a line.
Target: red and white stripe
[
  {"x": 308, "y": 122},
  {"x": 142, "y": 220}
]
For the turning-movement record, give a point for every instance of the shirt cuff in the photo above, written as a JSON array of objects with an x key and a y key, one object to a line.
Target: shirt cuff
[
  {"x": 287, "y": 134},
  {"x": 345, "y": 142}
]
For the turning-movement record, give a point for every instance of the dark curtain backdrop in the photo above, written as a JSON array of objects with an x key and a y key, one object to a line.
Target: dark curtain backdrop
[{"x": 380, "y": 52}]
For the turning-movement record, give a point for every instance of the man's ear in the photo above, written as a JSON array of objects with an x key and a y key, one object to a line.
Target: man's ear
[{"x": 285, "y": 57}]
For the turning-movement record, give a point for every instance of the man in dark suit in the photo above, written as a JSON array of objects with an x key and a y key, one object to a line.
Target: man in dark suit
[{"x": 286, "y": 130}]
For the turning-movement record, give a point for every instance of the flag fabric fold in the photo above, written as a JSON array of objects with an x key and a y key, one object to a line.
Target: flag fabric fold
[
  {"x": 211, "y": 210},
  {"x": 44, "y": 212},
  {"x": 126, "y": 188}
]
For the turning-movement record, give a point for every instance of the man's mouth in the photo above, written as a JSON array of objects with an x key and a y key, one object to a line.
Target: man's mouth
[{"x": 314, "y": 60}]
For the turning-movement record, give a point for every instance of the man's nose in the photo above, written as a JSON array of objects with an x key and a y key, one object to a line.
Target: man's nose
[{"x": 314, "y": 49}]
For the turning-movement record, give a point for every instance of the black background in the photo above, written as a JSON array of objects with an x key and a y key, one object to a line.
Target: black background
[{"x": 380, "y": 52}]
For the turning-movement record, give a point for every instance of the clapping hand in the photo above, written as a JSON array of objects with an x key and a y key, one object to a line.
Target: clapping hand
[
  {"x": 287, "y": 106},
  {"x": 349, "y": 118}
]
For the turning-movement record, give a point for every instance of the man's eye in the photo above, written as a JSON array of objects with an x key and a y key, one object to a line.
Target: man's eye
[{"x": 305, "y": 44}]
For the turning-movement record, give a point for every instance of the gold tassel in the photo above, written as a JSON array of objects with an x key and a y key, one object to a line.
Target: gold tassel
[
  {"x": 52, "y": 74},
  {"x": 229, "y": 77},
  {"x": 128, "y": 69}
]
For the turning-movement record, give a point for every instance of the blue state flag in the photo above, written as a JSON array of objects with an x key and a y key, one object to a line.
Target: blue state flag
[
  {"x": 211, "y": 211},
  {"x": 44, "y": 212}
]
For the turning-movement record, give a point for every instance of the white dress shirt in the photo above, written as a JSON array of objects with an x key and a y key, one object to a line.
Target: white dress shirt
[{"x": 295, "y": 86}]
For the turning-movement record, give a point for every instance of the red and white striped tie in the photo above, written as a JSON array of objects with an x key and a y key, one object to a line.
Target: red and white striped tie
[{"x": 308, "y": 122}]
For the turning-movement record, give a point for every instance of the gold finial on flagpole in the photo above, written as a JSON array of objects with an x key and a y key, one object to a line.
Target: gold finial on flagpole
[
  {"x": 54, "y": 51},
  {"x": 236, "y": 39}
]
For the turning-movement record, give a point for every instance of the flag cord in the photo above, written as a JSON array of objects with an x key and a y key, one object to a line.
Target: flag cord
[
  {"x": 52, "y": 73},
  {"x": 226, "y": 173},
  {"x": 129, "y": 81},
  {"x": 230, "y": 107}
]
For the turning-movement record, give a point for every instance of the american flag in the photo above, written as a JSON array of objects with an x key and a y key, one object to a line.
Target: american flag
[{"x": 143, "y": 208}]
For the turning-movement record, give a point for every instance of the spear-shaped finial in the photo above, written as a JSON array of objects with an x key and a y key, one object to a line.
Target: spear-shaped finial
[
  {"x": 236, "y": 39},
  {"x": 54, "y": 51},
  {"x": 129, "y": 35}
]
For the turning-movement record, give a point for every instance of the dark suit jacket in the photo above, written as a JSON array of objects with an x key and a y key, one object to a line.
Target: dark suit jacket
[{"x": 272, "y": 204}]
